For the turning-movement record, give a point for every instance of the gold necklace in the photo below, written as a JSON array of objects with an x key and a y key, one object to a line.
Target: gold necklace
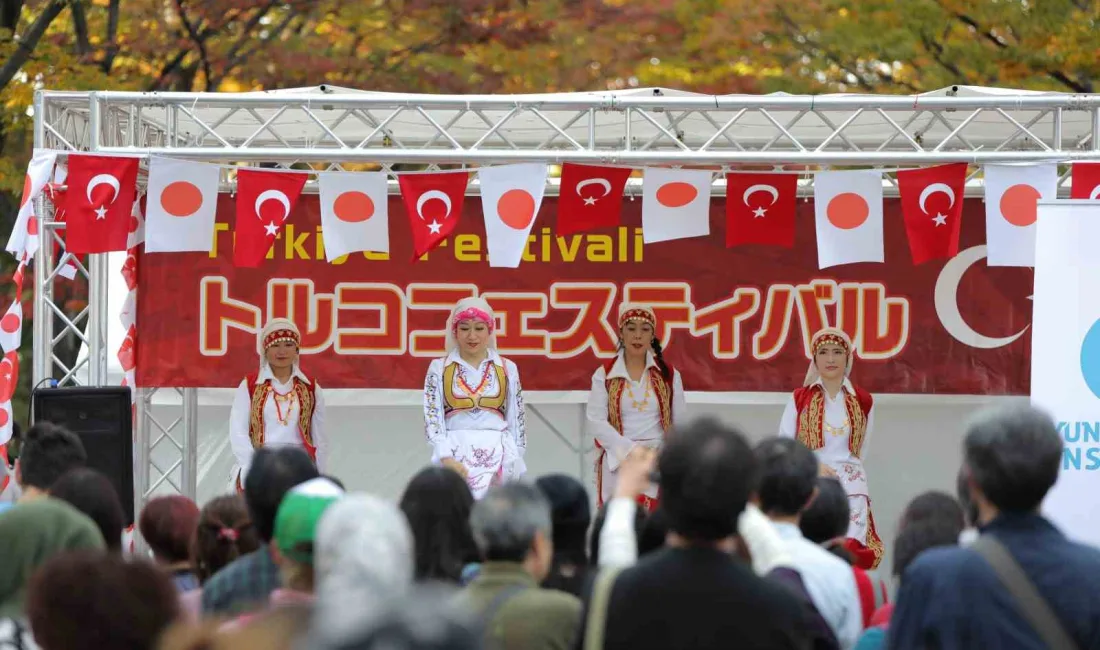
[
  {"x": 290, "y": 399},
  {"x": 835, "y": 431},
  {"x": 639, "y": 406}
]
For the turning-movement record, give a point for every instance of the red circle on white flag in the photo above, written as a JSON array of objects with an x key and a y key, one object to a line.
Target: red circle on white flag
[
  {"x": 516, "y": 209},
  {"x": 26, "y": 190},
  {"x": 847, "y": 210},
  {"x": 181, "y": 199},
  {"x": 353, "y": 207},
  {"x": 10, "y": 323},
  {"x": 32, "y": 225},
  {"x": 676, "y": 194},
  {"x": 4, "y": 417},
  {"x": 1020, "y": 204}
]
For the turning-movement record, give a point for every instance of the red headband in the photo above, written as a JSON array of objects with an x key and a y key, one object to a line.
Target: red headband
[
  {"x": 830, "y": 339},
  {"x": 643, "y": 315},
  {"x": 472, "y": 313},
  {"x": 280, "y": 336}
]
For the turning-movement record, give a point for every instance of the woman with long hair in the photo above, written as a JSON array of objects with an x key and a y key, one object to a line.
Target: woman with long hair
[
  {"x": 279, "y": 405},
  {"x": 833, "y": 417},
  {"x": 473, "y": 403},
  {"x": 636, "y": 400},
  {"x": 437, "y": 503},
  {"x": 223, "y": 534}
]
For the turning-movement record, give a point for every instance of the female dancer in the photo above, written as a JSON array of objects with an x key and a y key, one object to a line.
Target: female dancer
[
  {"x": 278, "y": 406},
  {"x": 636, "y": 400},
  {"x": 473, "y": 403},
  {"x": 834, "y": 418}
]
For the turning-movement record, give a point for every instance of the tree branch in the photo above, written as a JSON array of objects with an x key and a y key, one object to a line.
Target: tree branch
[
  {"x": 80, "y": 28},
  {"x": 241, "y": 54},
  {"x": 29, "y": 41},
  {"x": 112, "y": 35},
  {"x": 199, "y": 41},
  {"x": 9, "y": 14}
]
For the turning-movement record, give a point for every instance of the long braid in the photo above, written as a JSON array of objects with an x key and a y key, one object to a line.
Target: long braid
[{"x": 657, "y": 354}]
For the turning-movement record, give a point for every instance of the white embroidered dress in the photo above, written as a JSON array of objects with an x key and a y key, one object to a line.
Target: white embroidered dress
[
  {"x": 489, "y": 441},
  {"x": 275, "y": 432},
  {"x": 836, "y": 453},
  {"x": 641, "y": 418}
]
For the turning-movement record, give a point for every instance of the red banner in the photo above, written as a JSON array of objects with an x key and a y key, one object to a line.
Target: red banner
[{"x": 731, "y": 319}]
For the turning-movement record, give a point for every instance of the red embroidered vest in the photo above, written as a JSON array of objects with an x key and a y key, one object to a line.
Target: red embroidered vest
[
  {"x": 810, "y": 403},
  {"x": 307, "y": 400},
  {"x": 662, "y": 388}
]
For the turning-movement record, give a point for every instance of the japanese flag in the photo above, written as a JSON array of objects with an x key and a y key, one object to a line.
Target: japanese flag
[
  {"x": 11, "y": 327},
  {"x": 6, "y": 420},
  {"x": 1012, "y": 194},
  {"x": 9, "y": 378},
  {"x": 354, "y": 213},
  {"x": 675, "y": 204},
  {"x": 510, "y": 199},
  {"x": 848, "y": 214},
  {"x": 182, "y": 201},
  {"x": 23, "y": 243}
]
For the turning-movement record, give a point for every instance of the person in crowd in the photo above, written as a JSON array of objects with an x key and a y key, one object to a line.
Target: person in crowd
[
  {"x": 825, "y": 523},
  {"x": 168, "y": 524},
  {"x": 223, "y": 533},
  {"x": 930, "y": 520},
  {"x": 9, "y": 487},
  {"x": 513, "y": 529},
  {"x": 364, "y": 563},
  {"x": 294, "y": 538},
  {"x": 279, "y": 406},
  {"x": 970, "y": 510},
  {"x": 473, "y": 403},
  {"x": 88, "y": 600},
  {"x": 954, "y": 598},
  {"x": 31, "y": 533},
  {"x": 704, "y": 596},
  {"x": 47, "y": 452},
  {"x": 788, "y": 483},
  {"x": 571, "y": 516},
  {"x": 91, "y": 492},
  {"x": 420, "y": 620},
  {"x": 834, "y": 418},
  {"x": 248, "y": 581},
  {"x": 437, "y": 502},
  {"x": 636, "y": 400}
]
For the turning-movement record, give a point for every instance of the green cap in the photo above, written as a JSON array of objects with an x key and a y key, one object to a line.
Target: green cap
[{"x": 299, "y": 512}]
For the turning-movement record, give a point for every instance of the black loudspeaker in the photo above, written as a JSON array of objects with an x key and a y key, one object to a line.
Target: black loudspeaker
[{"x": 101, "y": 417}]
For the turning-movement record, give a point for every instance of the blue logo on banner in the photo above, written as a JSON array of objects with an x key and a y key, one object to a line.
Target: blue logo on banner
[{"x": 1090, "y": 358}]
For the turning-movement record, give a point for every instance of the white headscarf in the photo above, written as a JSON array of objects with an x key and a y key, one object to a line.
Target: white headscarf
[
  {"x": 363, "y": 559},
  {"x": 823, "y": 337},
  {"x": 471, "y": 309},
  {"x": 277, "y": 329}
]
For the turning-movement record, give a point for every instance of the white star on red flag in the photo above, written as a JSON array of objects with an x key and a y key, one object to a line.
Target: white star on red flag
[
  {"x": 271, "y": 229},
  {"x": 434, "y": 227},
  {"x": 100, "y": 213},
  {"x": 940, "y": 220},
  {"x": 759, "y": 212}
]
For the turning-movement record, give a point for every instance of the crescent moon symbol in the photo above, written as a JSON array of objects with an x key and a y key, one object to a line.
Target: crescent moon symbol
[
  {"x": 947, "y": 303},
  {"x": 602, "y": 182},
  {"x": 273, "y": 195},
  {"x": 100, "y": 179},
  {"x": 761, "y": 188},
  {"x": 428, "y": 196},
  {"x": 932, "y": 189},
  {"x": 1095, "y": 193}
]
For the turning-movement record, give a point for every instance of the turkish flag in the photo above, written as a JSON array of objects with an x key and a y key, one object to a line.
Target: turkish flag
[
  {"x": 433, "y": 203},
  {"x": 98, "y": 203},
  {"x": 931, "y": 202},
  {"x": 1086, "y": 181},
  {"x": 591, "y": 197},
  {"x": 760, "y": 209},
  {"x": 264, "y": 202}
]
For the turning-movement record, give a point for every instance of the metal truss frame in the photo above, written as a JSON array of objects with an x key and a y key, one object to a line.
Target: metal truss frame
[{"x": 333, "y": 127}]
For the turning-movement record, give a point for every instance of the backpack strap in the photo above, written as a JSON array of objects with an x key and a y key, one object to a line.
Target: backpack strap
[
  {"x": 494, "y": 632},
  {"x": 596, "y": 624},
  {"x": 1030, "y": 603}
]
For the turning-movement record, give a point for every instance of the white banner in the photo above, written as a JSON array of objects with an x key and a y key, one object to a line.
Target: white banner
[{"x": 1065, "y": 356}]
